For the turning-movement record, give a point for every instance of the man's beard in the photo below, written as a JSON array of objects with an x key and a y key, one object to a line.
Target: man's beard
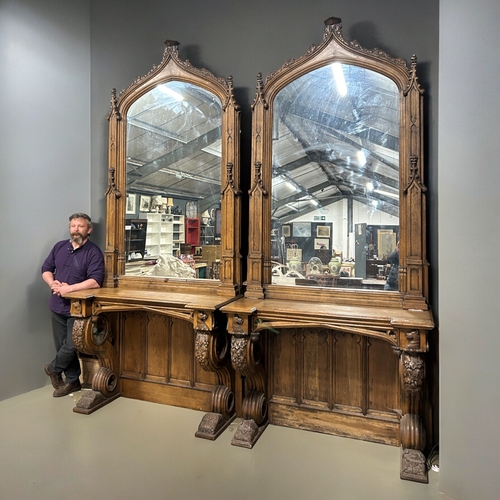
[{"x": 77, "y": 238}]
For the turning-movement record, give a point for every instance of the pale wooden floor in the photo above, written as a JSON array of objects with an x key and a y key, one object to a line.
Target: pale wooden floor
[{"x": 137, "y": 450}]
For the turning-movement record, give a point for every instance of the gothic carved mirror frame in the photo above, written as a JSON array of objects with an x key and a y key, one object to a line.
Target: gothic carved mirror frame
[
  {"x": 413, "y": 267},
  {"x": 172, "y": 69}
]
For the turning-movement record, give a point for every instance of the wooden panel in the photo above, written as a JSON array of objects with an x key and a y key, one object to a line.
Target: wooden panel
[
  {"x": 348, "y": 371},
  {"x": 181, "y": 354},
  {"x": 166, "y": 394},
  {"x": 158, "y": 327},
  {"x": 132, "y": 351},
  {"x": 316, "y": 378},
  {"x": 383, "y": 372},
  {"x": 283, "y": 372},
  {"x": 340, "y": 424},
  {"x": 203, "y": 379}
]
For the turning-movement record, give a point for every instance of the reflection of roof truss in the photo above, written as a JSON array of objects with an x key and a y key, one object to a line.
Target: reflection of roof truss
[
  {"x": 174, "y": 156},
  {"x": 329, "y": 146}
]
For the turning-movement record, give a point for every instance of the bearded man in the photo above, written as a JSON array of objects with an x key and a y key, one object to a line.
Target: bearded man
[{"x": 72, "y": 265}]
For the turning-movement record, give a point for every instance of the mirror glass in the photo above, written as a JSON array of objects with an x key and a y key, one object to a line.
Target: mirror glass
[
  {"x": 335, "y": 206},
  {"x": 173, "y": 206}
]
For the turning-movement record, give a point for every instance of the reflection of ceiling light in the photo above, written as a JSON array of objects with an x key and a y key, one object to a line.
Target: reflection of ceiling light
[
  {"x": 292, "y": 186},
  {"x": 374, "y": 203},
  {"x": 186, "y": 175},
  {"x": 172, "y": 93},
  {"x": 369, "y": 186},
  {"x": 314, "y": 202},
  {"x": 338, "y": 74},
  {"x": 361, "y": 157},
  {"x": 387, "y": 193}
]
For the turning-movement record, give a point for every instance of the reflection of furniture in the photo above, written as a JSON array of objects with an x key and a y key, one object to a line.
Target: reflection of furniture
[
  {"x": 327, "y": 280},
  {"x": 350, "y": 282},
  {"x": 135, "y": 238},
  {"x": 211, "y": 254},
  {"x": 376, "y": 268},
  {"x": 159, "y": 235},
  {"x": 192, "y": 231},
  {"x": 177, "y": 232},
  {"x": 207, "y": 234}
]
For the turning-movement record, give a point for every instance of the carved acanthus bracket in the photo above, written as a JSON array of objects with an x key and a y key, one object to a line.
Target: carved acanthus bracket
[
  {"x": 413, "y": 367},
  {"x": 413, "y": 436},
  {"x": 246, "y": 358}
]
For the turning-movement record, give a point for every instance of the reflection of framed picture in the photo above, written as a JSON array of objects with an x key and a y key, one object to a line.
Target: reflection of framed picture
[
  {"x": 386, "y": 243},
  {"x": 323, "y": 231},
  {"x": 285, "y": 231},
  {"x": 321, "y": 244},
  {"x": 293, "y": 254},
  {"x": 131, "y": 203},
  {"x": 145, "y": 205},
  {"x": 346, "y": 271},
  {"x": 302, "y": 229}
]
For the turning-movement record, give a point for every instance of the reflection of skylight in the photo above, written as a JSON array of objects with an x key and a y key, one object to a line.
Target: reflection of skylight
[
  {"x": 213, "y": 150},
  {"x": 172, "y": 93},
  {"x": 338, "y": 74}
]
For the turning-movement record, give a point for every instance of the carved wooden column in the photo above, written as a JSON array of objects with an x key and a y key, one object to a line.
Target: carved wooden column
[
  {"x": 246, "y": 357},
  {"x": 412, "y": 376},
  {"x": 92, "y": 335},
  {"x": 211, "y": 351}
]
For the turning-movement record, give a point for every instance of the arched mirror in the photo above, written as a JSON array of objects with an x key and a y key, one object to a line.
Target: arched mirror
[
  {"x": 338, "y": 172},
  {"x": 174, "y": 175}
]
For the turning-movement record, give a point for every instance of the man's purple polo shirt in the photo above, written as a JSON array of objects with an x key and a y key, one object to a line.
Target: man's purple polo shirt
[{"x": 73, "y": 266}]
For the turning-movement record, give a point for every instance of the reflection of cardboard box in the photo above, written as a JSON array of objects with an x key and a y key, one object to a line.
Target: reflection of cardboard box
[{"x": 210, "y": 253}]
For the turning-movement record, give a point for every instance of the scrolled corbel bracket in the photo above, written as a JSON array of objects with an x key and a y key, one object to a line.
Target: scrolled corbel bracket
[
  {"x": 246, "y": 358},
  {"x": 212, "y": 354},
  {"x": 93, "y": 336},
  {"x": 412, "y": 429}
]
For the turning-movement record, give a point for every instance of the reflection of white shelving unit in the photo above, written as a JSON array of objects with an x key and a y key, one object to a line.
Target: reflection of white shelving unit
[
  {"x": 178, "y": 232},
  {"x": 207, "y": 235},
  {"x": 159, "y": 235}
]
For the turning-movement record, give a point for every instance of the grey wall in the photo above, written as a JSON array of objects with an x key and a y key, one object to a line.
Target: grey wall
[
  {"x": 469, "y": 228},
  {"x": 44, "y": 168}
]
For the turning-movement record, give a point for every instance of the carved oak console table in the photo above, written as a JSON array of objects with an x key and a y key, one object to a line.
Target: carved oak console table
[
  {"x": 164, "y": 347},
  {"x": 353, "y": 371}
]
